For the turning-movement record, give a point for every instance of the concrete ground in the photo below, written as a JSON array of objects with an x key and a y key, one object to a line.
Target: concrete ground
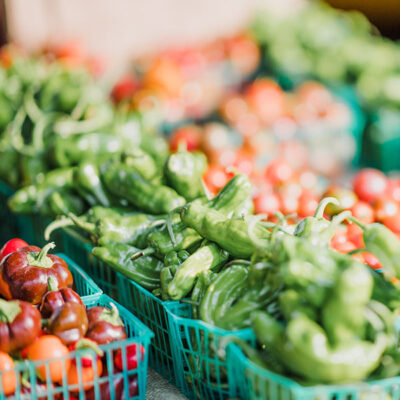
[{"x": 159, "y": 389}]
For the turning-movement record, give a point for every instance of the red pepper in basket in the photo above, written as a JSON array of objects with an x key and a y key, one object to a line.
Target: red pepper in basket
[
  {"x": 131, "y": 357},
  {"x": 24, "y": 274},
  {"x": 11, "y": 246}
]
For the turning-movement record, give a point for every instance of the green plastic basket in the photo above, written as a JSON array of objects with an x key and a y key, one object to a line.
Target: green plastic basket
[
  {"x": 137, "y": 334},
  {"x": 198, "y": 355},
  {"x": 255, "y": 383},
  {"x": 153, "y": 313},
  {"x": 80, "y": 250},
  {"x": 83, "y": 284}
]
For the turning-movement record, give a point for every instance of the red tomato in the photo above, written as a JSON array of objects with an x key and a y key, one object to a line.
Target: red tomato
[
  {"x": 11, "y": 246},
  {"x": 279, "y": 171},
  {"x": 190, "y": 135},
  {"x": 339, "y": 238},
  {"x": 216, "y": 178},
  {"x": 267, "y": 99},
  {"x": 266, "y": 202},
  {"x": 370, "y": 184},
  {"x": 289, "y": 204},
  {"x": 244, "y": 54},
  {"x": 131, "y": 357},
  {"x": 393, "y": 189},
  {"x": 124, "y": 88},
  {"x": 393, "y": 223},
  {"x": 355, "y": 235},
  {"x": 308, "y": 203},
  {"x": 385, "y": 207},
  {"x": 315, "y": 95},
  {"x": 233, "y": 108},
  {"x": 371, "y": 260},
  {"x": 363, "y": 211},
  {"x": 244, "y": 162},
  {"x": 345, "y": 247}
]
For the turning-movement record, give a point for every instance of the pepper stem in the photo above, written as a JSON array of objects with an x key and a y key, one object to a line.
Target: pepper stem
[
  {"x": 43, "y": 253},
  {"x": 41, "y": 260},
  {"x": 338, "y": 219},
  {"x": 9, "y": 310},
  {"x": 319, "y": 212},
  {"x": 86, "y": 226},
  {"x": 86, "y": 343},
  {"x": 111, "y": 315},
  {"x": 60, "y": 223},
  {"x": 52, "y": 284},
  {"x": 141, "y": 253},
  {"x": 357, "y": 222}
]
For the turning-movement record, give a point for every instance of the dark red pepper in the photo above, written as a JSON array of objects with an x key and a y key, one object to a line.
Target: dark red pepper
[
  {"x": 69, "y": 322},
  {"x": 55, "y": 298},
  {"x": 24, "y": 274},
  {"x": 131, "y": 357},
  {"x": 20, "y": 325},
  {"x": 11, "y": 246},
  {"x": 105, "y": 325}
]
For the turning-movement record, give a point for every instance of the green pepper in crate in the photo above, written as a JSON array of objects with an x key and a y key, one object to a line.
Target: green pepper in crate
[
  {"x": 125, "y": 182},
  {"x": 33, "y": 168},
  {"x": 204, "y": 280},
  {"x": 207, "y": 257},
  {"x": 63, "y": 202},
  {"x": 145, "y": 270},
  {"x": 184, "y": 171},
  {"x": 157, "y": 146},
  {"x": 142, "y": 163}
]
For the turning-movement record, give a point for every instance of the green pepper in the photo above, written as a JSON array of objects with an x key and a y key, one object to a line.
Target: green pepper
[
  {"x": 125, "y": 182},
  {"x": 157, "y": 146},
  {"x": 32, "y": 169},
  {"x": 206, "y": 257},
  {"x": 64, "y": 202},
  {"x": 232, "y": 234},
  {"x": 31, "y": 198},
  {"x": 203, "y": 281},
  {"x": 183, "y": 171},
  {"x": 166, "y": 276},
  {"x": 227, "y": 287},
  {"x": 304, "y": 349},
  {"x": 88, "y": 183},
  {"x": 144, "y": 271},
  {"x": 142, "y": 163},
  {"x": 383, "y": 243}
]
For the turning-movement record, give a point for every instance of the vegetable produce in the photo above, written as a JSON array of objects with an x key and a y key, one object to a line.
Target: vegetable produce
[
  {"x": 11, "y": 246},
  {"x": 25, "y": 273},
  {"x": 20, "y": 324},
  {"x": 8, "y": 379},
  {"x": 131, "y": 361},
  {"x": 105, "y": 325}
]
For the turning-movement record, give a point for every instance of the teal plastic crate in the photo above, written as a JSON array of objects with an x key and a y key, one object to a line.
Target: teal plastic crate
[
  {"x": 253, "y": 382},
  {"x": 152, "y": 311},
  {"x": 198, "y": 350},
  {"x": 83, "y": 284},
  {"x": 137, "y": 333},
  {"x": 80, "y": 250}
]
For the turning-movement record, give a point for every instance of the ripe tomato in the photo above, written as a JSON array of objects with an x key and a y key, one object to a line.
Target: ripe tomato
[
  {"x": 289, "y": 204},
  {"x": 244, "y": 162},
  {"x": 355, "y": 235},
  {"x": 267, "y": 99},
  {"x": 393, "y": 188},
  {"x": 339, "y": 238},
  {"x": 189, "y": 135},
  {"x": 266, "y": 202},
  {"x": 370, "y": 184},
  {"x": 233, "y": 108},
  {"x": 279, "y": 171},
  {"x": 45, "y": 348},
  {"x": 308, "y": 203},
  {"x": 124, "y": 88},
  {"x": 393, "y": 223},
  {"x": 11, "y": 246},
  {"x": 372, "y": 261},
  {"x": 215, "y": 178},
  {"x": 363, "y": 212},
  {"x": 9, "y": 379},
  {"x": 244, "y": 54},
  {"x": 345, "y": 247},
  {"x": 385, "y": 207}
]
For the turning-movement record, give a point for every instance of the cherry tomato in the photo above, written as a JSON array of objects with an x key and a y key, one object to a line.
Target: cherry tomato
[
  {"x": 370, "y": 184},
  {"x": 355, "y": 235},
  {"x": 244, "y": 162},
  {"x": 308, "y": 203},
  {"x": 339, "y": 238},
  {"x": 371, "y": 260},
  {"x": 86, "y": 376},
  {"x": 279, "y": 171},
  {"x": 11, "y": 246},
  {"x": 385, "y": 207},
  {"x": 244, "y": 54},
  {"x": 393, "y": 223},
  {"x": 289, "y": 204},
  {"x": 215, "y": 178},
  {"x": 363, "y": 211},
  {"x": 267, "y": 99},
  {"x": 131, "y": 357},
  {"x": 189, "y": 135},
  {"x": 393, "y": 188},
  {"x": 233, "y": 108},
  {"x": 45, "y": 348},
  {"x": 266, "y": 202},
  {"x": 345, "y": 247},
  {"x": 9, "y": 379},
  {"x": 124, "y": 88}
]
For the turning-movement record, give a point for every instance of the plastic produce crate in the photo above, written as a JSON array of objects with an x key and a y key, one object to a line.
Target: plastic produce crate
[
  {"x": 152, "y": 311},
  {"x": 80, "y": 250},
  {"x": 255, "y": 383},
  {"x": 83, "y": 284},
  {"x": 137, "y": 334},
  {"x": 202, "y": 372}
]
